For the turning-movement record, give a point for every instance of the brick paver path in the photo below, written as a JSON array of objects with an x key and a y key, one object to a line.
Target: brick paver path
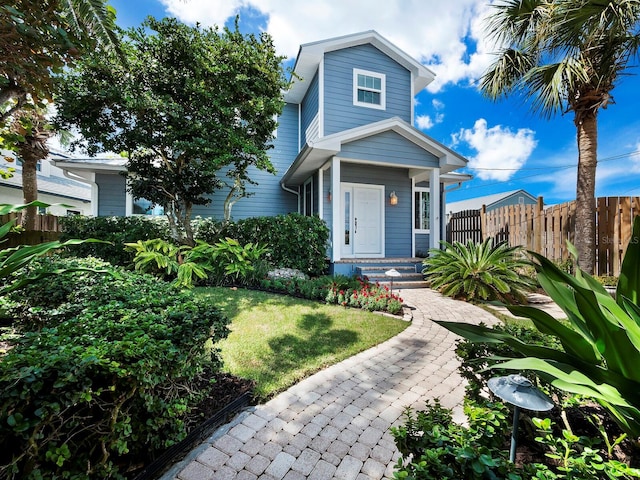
[{"x": 335, "y": 424}]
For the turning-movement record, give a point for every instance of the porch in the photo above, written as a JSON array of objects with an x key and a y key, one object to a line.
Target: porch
[{"x": 409, "y": 270}]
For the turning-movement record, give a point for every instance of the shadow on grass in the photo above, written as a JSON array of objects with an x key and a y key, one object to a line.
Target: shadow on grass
[{"x": 299, "y": 350}]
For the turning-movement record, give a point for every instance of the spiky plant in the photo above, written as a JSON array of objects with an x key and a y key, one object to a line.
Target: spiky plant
[{"x": 479, "y": 271}]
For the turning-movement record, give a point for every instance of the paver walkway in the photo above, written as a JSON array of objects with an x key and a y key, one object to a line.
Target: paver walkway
[{"x": 335, "y": 424}]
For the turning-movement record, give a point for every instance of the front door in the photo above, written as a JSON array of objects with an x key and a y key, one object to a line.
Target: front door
[{"x": 363, "y": 220}]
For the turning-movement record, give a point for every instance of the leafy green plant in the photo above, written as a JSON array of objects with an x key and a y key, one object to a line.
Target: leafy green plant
[
  {"x": 433, "y": 446},
  {"x": 103, "y": 372},
  {"x": 13, "y": 259},
  {"x": 479, "y": 271},
  {"x": 578, "y": 457},
  {"x": 600, "y": 343},
  {"x": 181, "y": 262},
  {"x": 225, "y": 262},
  {"x": 240, "y": 264}
]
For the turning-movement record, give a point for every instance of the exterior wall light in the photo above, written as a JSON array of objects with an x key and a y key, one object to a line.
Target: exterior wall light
[
  {"x": 519, "y": 392},
  {"x": 329, "y": 197},
  {"x": 393, "y": 198}
]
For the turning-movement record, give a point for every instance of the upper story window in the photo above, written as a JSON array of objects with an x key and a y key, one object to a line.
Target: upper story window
[{"x": 369, "y": 89}]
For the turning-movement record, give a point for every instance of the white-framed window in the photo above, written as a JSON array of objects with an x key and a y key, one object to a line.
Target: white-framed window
[
  {"x": 307, "y": 208},
  {"x": 142, "y": 206},
  {"x": 369, "y": 89},
  {"x": 422, "y": 207}
]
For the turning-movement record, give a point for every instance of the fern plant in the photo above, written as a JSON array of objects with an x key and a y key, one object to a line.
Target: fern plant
[
  {"x": 479, "y": 271},
  {"x": 159, "y": 256}
]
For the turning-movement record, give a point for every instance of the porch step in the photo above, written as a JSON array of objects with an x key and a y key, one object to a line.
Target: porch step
[{"x": 408, "y": 276}]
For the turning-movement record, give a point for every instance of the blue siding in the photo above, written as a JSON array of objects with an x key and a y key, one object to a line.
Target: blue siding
[
  {"x": 268, "y": 197},
  {"x": 339, "y": 111},
  {"x": 398, "y": 217},
  {"x": 112, "y": 195},
  {"x": 512, "y": 200},
  {"x": 389, "y": 147},
  {"x": 309, "y": 108}
]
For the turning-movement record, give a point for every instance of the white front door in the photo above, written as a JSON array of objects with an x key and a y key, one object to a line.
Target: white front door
[{"x": 363, "y": 220}]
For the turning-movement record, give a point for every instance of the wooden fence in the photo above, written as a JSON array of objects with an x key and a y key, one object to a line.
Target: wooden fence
[
  {"x": 546, "y": 231},
  {"x": 47, "y": 229}
]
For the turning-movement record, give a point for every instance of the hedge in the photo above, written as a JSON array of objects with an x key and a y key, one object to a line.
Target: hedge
[
  {"x": 103, "y": 372},
  {"x": 294, "y": 240}
]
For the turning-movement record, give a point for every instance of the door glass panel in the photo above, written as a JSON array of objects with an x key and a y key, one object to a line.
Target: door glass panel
[{"x": 347, "y": 218}]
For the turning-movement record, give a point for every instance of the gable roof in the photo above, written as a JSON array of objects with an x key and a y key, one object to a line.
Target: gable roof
[
  {"x": 314, "y": 154},
  {"x": 311, "y": 54},
  {"x": 488, "y": 200}
]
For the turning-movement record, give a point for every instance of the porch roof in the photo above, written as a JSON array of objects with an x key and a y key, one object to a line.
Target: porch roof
[{"x": 316, "y": 153}]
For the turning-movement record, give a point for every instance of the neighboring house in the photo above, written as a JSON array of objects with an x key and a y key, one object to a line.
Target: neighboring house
[
  {"x": 54, "y": 187},
  {"x": 346, "y": 149},
  {"x": 492, "y": 202}
]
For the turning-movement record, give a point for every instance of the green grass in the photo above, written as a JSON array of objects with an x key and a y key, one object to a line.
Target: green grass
[{"x": 277, "y": 340}]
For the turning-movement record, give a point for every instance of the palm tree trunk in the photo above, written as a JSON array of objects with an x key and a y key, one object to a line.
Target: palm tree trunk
[
  {"x": 29, "y": 190},
  {"x": 586, "y": 190}
]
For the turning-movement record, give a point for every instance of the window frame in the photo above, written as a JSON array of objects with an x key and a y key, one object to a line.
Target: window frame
[
  {"x": 307, "y": 187},
  {"x": 382, "y": 91},
  {"x": 419, "y": 191}
]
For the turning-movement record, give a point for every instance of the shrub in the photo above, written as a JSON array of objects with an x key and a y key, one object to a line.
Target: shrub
[
  {"x": 294, "y": 240},
  {"x": 433, "y": 446},
  {"x": 479, "y": 272},
  {"x": 600, "y": 343},
  {"x": 116, "y": 230},
  {"x": 103, "y": 372},
  {"x": 225, "y": 263}
]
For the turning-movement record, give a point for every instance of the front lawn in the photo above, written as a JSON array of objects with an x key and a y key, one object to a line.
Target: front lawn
[{"x": 277, "y": 340}]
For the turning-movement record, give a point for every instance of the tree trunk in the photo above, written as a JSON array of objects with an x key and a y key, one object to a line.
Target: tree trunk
[
  {"x": 29, "y": 190},
  {"x": 586, "y": 190}
]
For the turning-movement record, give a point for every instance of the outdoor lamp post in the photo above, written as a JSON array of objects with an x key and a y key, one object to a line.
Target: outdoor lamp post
[
  {"x": 519, "y": 392},
  {"x": 393, "y": 273}
]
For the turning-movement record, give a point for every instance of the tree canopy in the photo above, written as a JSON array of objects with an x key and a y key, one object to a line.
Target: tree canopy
[
  {"x": 39, "y": 38},
  {"x": 188, "y": 104},
  {"x": 566, "y": 56}
]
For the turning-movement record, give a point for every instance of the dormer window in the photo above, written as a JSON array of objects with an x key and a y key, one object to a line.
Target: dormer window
[{"x": 369, "y": 89}]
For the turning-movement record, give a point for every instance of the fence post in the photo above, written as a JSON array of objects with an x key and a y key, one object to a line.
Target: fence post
[
  {"x": 483, "y": 223},
  {"x": 538, "y": 226}
]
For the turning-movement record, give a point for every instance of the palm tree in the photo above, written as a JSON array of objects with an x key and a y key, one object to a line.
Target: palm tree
[
  {"x": 34, "y": 131},
  {"x": 40, "y": 38},
  {"x": 566, "y": 55}
]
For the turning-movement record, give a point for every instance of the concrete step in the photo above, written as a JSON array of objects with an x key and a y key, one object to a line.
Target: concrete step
[{"x": 407, "y": 276}]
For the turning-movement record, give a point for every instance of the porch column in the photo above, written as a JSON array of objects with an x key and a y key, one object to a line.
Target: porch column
[
  {"x": 434, "y": 208},
  {"x": 336, "y": 210}
]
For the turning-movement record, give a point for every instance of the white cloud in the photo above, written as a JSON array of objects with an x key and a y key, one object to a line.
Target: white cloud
[
  {"x": 435, "y": 32},
  {"x": 424, "y": 122},
  {"x": 437, "y": 104},
  {"x": 501, "y": 151}
]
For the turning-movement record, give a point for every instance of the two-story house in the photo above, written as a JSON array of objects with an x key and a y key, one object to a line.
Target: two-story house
[{"x": 345, "y": 149}]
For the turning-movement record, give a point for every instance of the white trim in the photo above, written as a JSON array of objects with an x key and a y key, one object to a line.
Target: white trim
[
  {"x": 335, "y": 209},
  {"x": 413, "y": 216},
  {"x": 434, "y": 201},
  {"x": 299, "y": 126},
  {"x": 321, "y": 194},
  {"x": 352, "y": 186},
  {"x": 320, "y": 99},
  {"x": 417, "y": 190},
  {"x": 382, "y": 91},
  {"x": 308, "y": 181}
]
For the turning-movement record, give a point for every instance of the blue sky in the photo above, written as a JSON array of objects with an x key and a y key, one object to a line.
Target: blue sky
[{"x": 508, "y": 146}]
